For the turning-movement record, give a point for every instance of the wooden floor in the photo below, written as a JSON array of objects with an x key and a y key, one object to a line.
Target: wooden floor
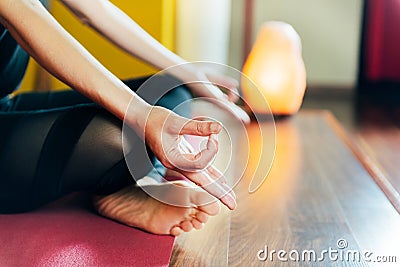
[
  {"x": 373, "y": 124},
  {"x": 318, "y": 196},
  {"x": 377, "y": 133}
]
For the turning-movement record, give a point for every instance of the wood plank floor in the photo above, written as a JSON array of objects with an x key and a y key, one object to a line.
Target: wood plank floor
[
  {"x": 316, "y": 193},
  {"x": 377, "y": 133},
  {"x": 373, "y": 124}
]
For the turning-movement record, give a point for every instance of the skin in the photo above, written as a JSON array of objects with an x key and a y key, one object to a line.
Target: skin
[
  {"x": 43, "y": 38},
  {"x": 155, "y": 216}
]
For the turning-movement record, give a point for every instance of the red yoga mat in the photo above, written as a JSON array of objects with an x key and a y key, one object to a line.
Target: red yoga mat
[{"x": 69, "y": 233}]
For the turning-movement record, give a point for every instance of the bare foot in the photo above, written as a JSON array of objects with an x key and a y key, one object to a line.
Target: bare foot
[{"x": 133, "y": 207}]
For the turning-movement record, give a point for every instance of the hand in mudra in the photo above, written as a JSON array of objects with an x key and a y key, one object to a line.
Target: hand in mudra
[
  {"x": 164, "y": 132},
  {"x": 208, "y": 88}
]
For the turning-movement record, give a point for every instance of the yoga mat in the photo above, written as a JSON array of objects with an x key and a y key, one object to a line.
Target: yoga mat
[{"x": 69, "y": 233}]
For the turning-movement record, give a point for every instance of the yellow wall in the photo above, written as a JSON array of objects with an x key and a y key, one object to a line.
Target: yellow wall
[{"x": 155, "y": 16}]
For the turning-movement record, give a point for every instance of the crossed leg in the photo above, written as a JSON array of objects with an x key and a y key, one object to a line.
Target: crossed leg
[
  {"x": 57, "y": 143},
  {"x": 132, "y": 206}
]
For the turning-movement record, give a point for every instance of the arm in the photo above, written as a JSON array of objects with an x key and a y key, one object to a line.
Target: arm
[
  {"x": 120, "y": 29},
  {"x": 59, "y": 53},
  {"x": 45, "y": 40}
]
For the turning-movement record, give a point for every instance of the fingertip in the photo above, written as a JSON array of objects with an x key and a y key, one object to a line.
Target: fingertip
[
  {"x": 245, "y": 117},
  {"x": 214, "y": 137},
  {"x": 212, "y": 142},
  {"x": 233, "y": 95},
  {"x": 230, "y": 202},
  {"x": 237, "y": 112},
  {"x": 215, "y": 127}
]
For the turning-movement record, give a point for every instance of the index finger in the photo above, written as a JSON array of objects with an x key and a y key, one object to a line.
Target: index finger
[
  {"x": 230, "y": 84},
  {"x": 217, "y": 189},
  {"x": 201, "y": 160},
  {"x": 235, "y": 110}
]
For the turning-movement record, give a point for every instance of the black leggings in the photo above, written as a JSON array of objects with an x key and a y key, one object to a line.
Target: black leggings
[{"x": 52, "y": 144}]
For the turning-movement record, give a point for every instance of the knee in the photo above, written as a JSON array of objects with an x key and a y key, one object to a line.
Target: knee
[{"x": 178, "y": 100}]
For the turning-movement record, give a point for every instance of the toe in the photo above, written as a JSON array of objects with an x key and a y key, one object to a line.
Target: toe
[
  {"x": 197, "y": 224},
  {"x": 202, "y": 216},
  {"x": 186, "y": 226},
  {"x": 175, "y": 231},
  {"x": 211, "y": 209}
]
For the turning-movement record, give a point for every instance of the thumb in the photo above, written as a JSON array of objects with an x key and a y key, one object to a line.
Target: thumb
[{"x": 201, "y": 128}]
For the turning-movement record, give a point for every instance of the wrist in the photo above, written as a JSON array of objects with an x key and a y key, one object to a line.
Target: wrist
[
  {"x": 137, "y": 114},
  {"x": 187, "y": 73}
]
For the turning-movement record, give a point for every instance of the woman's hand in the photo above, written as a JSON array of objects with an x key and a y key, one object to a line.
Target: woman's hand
[
  {"x": 120, "y": 29},
  {"x": 208, "y": 88},
  {"x": 164, "y": 132}
]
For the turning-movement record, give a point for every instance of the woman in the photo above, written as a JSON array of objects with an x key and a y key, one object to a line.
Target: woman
[{"x": 47, "y": 141}]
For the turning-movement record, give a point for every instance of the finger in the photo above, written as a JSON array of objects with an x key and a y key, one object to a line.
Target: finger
[
  {"x": 202, "y": 159},
  {"x": 233, "y": 95},
  {"x": 235, "y": 110},
  {"x": 179, "y": 161},
  {"x": 217, "y": 174},
  {"x": 230, "y": 84},
  {"x": 220, "y": 177},
  {"x": 216, "y": 189},
  {"x": 222, "y": 80},
  {"x": 185, "y": 146},
  {"x": 201, "y": 128},
  {"x": 224, "y": 192}
]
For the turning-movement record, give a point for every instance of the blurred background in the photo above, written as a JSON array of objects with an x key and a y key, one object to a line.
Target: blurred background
[
  {"x": 215, "y": 31},
  {"x": 332, "y": 34},
  {"x": 155, "y": 16}
]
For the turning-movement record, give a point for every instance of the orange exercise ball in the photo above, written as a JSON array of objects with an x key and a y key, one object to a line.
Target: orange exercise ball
[{"x": 276, "y": 67}]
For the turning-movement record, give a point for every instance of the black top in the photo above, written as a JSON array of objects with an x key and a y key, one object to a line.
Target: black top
[{"x": 13, "y": 61}]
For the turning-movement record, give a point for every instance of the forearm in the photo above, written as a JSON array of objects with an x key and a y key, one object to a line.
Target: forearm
[
  {"x": 120, "y": 29},
  {"x": 116, "y": 26},
  {"x": 45, "y": 40}
]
